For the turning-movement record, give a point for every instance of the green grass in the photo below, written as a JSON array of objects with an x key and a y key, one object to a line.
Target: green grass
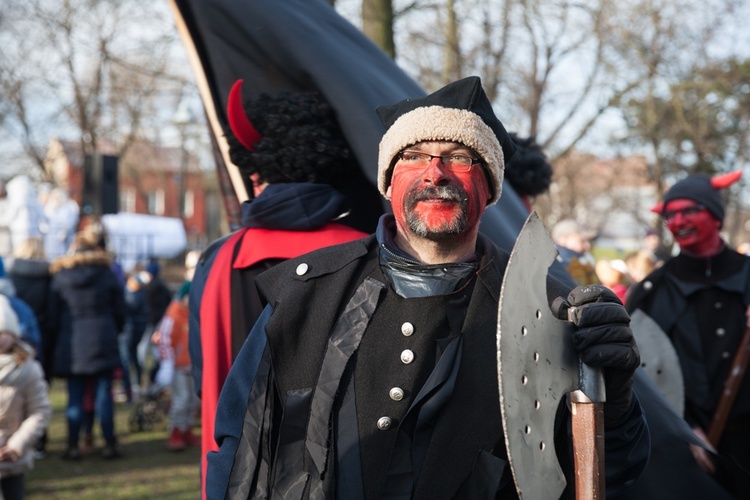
[{"x": 147, "y": 469}]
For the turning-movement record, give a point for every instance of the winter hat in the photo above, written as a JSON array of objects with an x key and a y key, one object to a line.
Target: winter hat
[
  {"x": 701, "y": 189},
  {"x": 184, "y": 290},
  {"x": 566, "y": 227},
  {"x": 8, "y": 319},
  {"x": 153, "y": 268},
  {"x": 459, "y": 112}
]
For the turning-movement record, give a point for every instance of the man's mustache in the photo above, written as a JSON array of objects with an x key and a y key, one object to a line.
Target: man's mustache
[{"x": 450, "y": 193}]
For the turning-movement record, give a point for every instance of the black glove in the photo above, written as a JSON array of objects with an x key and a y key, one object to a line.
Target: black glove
[{"x": 604, "y": 340}]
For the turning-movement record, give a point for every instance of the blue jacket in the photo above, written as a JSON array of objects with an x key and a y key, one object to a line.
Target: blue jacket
[{"x": 27, "y": 321}]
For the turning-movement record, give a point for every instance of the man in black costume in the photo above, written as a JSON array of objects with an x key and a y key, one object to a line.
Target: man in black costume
[
  {"x": 372, "y": 371},
  {"x": 700, "y": 300}
]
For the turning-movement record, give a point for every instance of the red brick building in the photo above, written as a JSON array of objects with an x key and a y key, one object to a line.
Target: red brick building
[{"x": 151, "y": 180}]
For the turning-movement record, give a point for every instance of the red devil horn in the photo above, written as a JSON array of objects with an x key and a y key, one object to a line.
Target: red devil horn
[
  {"x": 725, "y": 180},
  {"x": 658, "y": 208},
  {"x": 238, "y": 121}
]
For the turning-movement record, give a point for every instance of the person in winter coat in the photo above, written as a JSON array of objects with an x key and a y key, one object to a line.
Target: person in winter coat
[
  {"x": 372, "y": 371},
  {"x": 574, "y": 244},
  {"x": 22, "y": 213},
  {"x": 136, "y": 316},
  {"x": 31, "y": 278},
  {"x": 172, "y": 339},
  {"x": 700, "y": 299},
  {"x": 88, "y": 307},
  {"x": 29, "y": 272},
  {"x": 292, "y": 151},
  {"x": 158, "y": 297},
  {"x": 27, "y": 319},
  {"x": 24, "y": 405},
  {"x": 62, "y": 214}
]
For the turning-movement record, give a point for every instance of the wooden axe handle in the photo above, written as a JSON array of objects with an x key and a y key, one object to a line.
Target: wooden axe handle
[
  {"x": 730, "y": 389},
  {"x": 587, "y": 419}
]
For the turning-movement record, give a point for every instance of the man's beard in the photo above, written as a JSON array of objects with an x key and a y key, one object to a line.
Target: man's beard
[{"x": 455, "y": 225}]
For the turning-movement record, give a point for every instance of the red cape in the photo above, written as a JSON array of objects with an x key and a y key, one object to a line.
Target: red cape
[{"x": 256, "y": 245}]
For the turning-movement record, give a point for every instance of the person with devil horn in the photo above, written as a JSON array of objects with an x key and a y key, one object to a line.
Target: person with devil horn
[
  {"x": 700, "y": 300},
  {"x": 291, "y": 153}
]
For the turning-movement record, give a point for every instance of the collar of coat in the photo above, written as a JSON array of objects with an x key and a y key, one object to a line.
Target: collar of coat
[
  {"x": 333, "y": 259},
  {"x": 91, "y": 258}
]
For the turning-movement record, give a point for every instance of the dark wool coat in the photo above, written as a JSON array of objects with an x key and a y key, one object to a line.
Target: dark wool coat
[
  {"x": 136, "y": 314},
  {"x": 297, "y": 398},
  {"x": 700, "y": 304},
  {"x": 88, "y": 307},
  {"x": 158, "y": 297},
  {"x": 32, "y": 280}
]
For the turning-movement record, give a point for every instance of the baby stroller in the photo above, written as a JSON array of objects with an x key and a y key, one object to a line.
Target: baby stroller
[{"x": 150, "y": 410}]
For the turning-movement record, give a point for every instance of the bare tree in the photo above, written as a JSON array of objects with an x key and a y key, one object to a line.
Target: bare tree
[
  {"x": 107, "y": 70},
  {"x": 377, "y": 24}
]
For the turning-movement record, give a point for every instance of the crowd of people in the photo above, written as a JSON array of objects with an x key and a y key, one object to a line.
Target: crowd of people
[
  {"x": 80, "y": 319},
  {"x": 574, "y": 243}
]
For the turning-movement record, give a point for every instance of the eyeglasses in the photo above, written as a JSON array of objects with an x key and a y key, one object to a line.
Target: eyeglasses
[
  {"x": 455, "y": 162},
  {"x": 686, "y": 212}
]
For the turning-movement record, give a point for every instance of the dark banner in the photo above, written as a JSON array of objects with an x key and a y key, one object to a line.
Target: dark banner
[{"x": 277, "y": 45}]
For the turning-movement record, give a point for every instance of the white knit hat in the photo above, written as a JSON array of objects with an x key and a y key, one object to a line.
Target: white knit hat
[
  {"x": 459, "y": 112},
  {"x": 8, "y": 318}
]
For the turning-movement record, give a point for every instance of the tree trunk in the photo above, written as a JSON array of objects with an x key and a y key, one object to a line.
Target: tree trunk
[
  {"x": 452, "y": 51},
  {"x": 377, "y": 24}
]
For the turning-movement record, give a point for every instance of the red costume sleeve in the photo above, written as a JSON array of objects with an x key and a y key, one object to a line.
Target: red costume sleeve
[{"x": 216, "y": 342}]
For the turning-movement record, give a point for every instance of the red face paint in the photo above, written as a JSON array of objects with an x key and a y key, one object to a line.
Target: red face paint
[
  {"x": 693, "y": 227},
  {"x": 433, "y": 201}
]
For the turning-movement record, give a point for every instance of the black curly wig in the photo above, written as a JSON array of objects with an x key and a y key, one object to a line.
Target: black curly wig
[
  {"x": 300, "y": 141},
  {"x": 528, "y": 171}
]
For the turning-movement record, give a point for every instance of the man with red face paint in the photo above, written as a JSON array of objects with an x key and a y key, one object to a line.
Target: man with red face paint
[
  {"x": 372, "y": 371},
  {"x": 700, "y": 300}
]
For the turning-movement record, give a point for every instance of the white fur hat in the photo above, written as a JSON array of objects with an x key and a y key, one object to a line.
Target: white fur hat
[
  {"x": 459, "y": 112},
  {"x": 8, "y": 318}
]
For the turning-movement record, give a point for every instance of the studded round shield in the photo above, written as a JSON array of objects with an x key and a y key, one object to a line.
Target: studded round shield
[
  {"x": 537, "y": 365},
  {"x": 659, "y": 359}
]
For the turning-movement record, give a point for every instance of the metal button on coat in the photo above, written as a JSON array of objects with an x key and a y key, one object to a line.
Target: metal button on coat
[
  {"x": 407, "y": 329},
  {"x": 396, "y": 394},
  {"x": 720, "y": 332},
  {"x": 384, "y": 423},
  {"x": 647, "y": 285},
  {"x": 407, "y": 356},
  {"x": 725, "y": 355},
  {"x": 302, "y": 269},
  {"x": 718, "y": 305}
]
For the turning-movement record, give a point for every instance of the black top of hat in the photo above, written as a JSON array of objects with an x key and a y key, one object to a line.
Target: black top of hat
[
  {"x": 697, "y": 187},
  {"x": 465, "y": 94}
]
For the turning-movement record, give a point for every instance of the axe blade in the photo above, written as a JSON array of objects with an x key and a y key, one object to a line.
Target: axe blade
[{"x": 537, "y": 365}]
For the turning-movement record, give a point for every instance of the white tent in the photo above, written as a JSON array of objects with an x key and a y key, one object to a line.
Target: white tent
[{"x": 135, "y": 238}]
